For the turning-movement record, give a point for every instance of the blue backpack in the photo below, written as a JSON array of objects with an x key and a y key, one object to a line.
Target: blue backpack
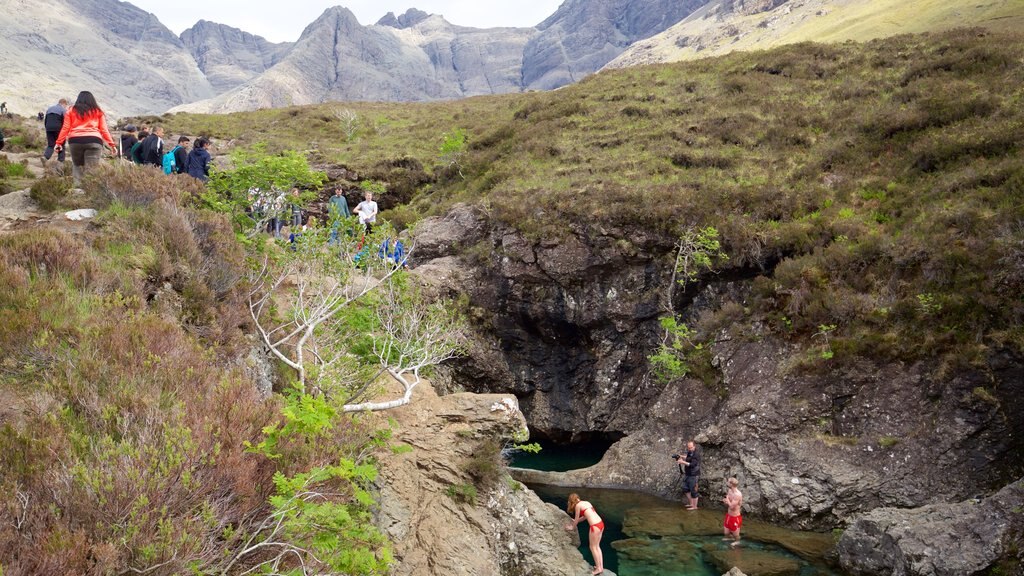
[{"x": 169, "y": 162}]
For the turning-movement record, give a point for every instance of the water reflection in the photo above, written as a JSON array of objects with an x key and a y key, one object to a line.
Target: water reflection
[{"x": 649, "y": 536}]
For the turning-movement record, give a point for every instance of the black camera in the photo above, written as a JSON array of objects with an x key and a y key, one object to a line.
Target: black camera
[{"x": 675, "y": 456}]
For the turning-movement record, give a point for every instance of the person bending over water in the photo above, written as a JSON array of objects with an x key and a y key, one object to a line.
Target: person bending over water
[
  {"x": 581, "y": 509},
  {"x": 733, "y": 518}
]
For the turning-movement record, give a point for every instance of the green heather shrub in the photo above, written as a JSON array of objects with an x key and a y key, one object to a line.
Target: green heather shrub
[
  {"x": 486, "y": 464},
  {"x": 50, "y": 191},
  {"x": 465, "y": 493}
]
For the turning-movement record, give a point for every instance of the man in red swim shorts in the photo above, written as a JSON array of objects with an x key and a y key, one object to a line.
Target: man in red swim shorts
[{"x": 733, "y": 518}]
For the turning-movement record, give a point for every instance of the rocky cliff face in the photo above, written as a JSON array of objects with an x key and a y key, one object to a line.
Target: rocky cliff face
[
  {"x": 584, "y": 35},
  {"x": 566, "y": 325},
  {"x": 130, "y": 61},
  {"x": 980, "y": 536},
  {"x": 417, "y": 56},
  {"x": 509, "y": 532},
  {"x": 228, "y": 56},
  {"x": 422, "y": 58}
]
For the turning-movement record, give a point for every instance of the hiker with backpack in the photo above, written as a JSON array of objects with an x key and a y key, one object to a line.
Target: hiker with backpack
[
  {"x": 153, "y": 147},
  {"x": 198, "y": 163},
  {"x": 53, "y": 121},
  {"x": 173, "y": 162},
  {"x": 85, "y": 132},
  {"x": 135, "y": 152}
]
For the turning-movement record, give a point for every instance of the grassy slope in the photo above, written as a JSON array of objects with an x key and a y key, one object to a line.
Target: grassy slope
[
  {"x": 881, "y": 18},
  {"x": 820, "y": 21},
  {"x": 885, "y": 179}
]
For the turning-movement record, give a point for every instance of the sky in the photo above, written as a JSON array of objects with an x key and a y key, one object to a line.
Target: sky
[{"x": 283, "y": 21}]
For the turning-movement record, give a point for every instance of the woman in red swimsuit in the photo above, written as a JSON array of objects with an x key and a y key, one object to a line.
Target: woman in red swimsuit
[{"x": 581, "y": 509}]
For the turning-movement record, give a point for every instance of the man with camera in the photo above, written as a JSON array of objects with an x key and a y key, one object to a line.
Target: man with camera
[{"x": 690, "y": 463}]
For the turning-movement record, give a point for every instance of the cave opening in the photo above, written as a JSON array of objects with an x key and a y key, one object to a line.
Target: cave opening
[{"x": 563, "y": 450}]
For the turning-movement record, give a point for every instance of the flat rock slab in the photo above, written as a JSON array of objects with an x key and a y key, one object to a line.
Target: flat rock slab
[
  {"x": 668, "y": 522},
  {"x": 754, "y": 562}
]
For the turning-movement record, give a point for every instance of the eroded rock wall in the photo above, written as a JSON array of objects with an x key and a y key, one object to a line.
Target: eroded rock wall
[
  {"x": 566, "y": 325},
  {"x": 508, "y": 531}
]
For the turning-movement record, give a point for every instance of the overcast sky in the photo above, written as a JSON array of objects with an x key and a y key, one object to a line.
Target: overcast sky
[{"x": 283, "y": 21}]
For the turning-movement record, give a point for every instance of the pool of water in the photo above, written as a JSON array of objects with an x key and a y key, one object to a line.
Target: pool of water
[
  {"x": 561, "y": 457},
  {"x": 649, "y": 536}
]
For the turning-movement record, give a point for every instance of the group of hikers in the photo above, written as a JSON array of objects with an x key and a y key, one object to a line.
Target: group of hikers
[
  {"x": 689, "y": 469},
  {"x": 82, "y": 130}
]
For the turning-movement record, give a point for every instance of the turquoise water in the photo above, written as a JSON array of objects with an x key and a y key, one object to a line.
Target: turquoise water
[
  {"x": 649, "y": 536},
  {"x": 560, "y": 457}
]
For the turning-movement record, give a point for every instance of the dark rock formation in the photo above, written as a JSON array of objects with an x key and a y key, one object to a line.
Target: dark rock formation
[
  {"x": 961, "y": 539},
  {"x": 566, "y": 325},
  {"x": 228, "y": 56}
]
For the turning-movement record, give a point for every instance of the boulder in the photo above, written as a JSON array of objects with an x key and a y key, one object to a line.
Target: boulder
[
  {"x": 438, "y": 237},
  {"x": 506, "y": 530},
  {"x": 961, "y": 539}
]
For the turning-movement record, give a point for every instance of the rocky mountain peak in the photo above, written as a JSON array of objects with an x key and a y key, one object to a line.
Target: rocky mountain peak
[
  {"x": 335, "y": 18},
  {"x": 229, "y": 56},
  {"x": 584, "y": 35},
  {"x": 411, "y": 18}
]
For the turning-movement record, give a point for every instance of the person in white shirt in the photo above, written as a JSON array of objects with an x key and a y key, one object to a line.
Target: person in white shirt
[{"x": 367, "y": 211}]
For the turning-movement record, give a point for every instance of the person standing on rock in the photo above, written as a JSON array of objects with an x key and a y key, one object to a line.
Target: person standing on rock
[
  {"x": 337, "y": 208},
  {"x": 85, "y": 131},
  {"x": 581, "y": 509},
  {"x": 367, "y": 210},
  {"x": 733, "y": 517},
  {"x": 691, "y": 474},
  {"x": 53, "y": 121}
]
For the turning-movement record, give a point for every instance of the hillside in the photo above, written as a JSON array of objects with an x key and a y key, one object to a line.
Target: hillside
[
  {"x": 868, "y": 197},
  {"x": 722, "y": 26},
  {"x": 806, "y": 156}
]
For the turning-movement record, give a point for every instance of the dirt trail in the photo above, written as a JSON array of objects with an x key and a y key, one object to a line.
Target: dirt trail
[{"x": 17, "y": 209}]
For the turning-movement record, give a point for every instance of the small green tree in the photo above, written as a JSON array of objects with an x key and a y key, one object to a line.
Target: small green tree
[
  {"x": 696, "y": 251},
  {"x": 671, "y": 360},
  {"x": 252, "y": 190},
  {"x": 349, "y": 122},
  {"x": 453, "y": 149}
]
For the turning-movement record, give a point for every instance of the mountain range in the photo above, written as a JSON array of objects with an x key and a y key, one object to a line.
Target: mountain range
[{"x": 134, "y": 64}]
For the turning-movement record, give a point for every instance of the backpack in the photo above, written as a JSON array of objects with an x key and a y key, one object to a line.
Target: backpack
[
  {"x": 169, "y": 162},
  {"x": 1, "y": 139},
  {"x": 135, "y": 152}
]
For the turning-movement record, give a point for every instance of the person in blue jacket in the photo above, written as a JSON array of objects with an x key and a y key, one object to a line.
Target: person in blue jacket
[{"x": 198, "y": 164}]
